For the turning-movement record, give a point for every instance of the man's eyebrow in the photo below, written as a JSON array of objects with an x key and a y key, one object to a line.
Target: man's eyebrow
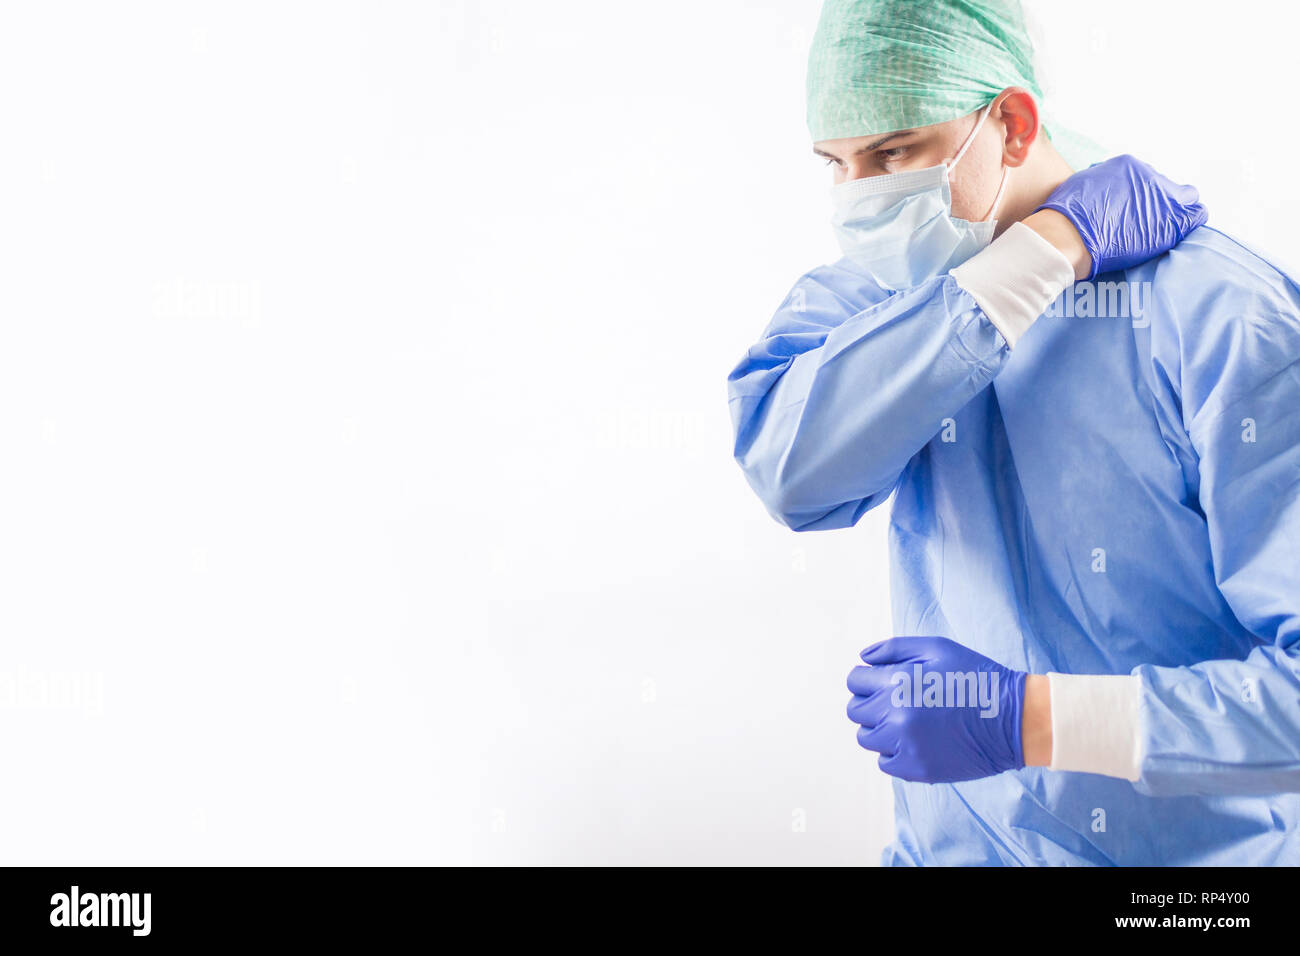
[{"x": 870, "y": 147}]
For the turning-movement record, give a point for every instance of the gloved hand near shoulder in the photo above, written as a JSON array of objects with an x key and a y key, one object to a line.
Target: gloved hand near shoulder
[{"x": 1125, "y": 213}]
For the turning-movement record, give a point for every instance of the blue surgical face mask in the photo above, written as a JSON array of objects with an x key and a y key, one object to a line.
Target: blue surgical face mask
[{"x": 900, "y": 227}]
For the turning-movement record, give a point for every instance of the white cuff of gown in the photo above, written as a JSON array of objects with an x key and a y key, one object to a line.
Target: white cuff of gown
[
  {"x": 1095, "y": 724},
  {"x": 1015, "y": 278}
]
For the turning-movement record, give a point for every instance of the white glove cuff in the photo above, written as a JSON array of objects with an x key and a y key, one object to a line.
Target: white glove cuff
[
  {"x": 1015, "y": 279},
  {"x": 1095, "y": 724}
]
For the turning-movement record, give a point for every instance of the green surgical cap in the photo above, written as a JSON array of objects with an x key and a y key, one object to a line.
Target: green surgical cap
[{"x": 877, "y": 66}]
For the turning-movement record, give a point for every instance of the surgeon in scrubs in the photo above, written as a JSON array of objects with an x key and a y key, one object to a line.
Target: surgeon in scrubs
[{"x": 1082, "y": 402}]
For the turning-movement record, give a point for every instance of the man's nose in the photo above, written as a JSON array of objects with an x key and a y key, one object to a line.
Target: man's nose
[
  {"x": 859, "y": 169},
  {"x": 855, "y": 169}
]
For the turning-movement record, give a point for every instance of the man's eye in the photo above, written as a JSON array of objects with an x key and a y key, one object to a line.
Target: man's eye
[
  {"x": 894, "y": 154},
  {"x": 832, "y": 161}
]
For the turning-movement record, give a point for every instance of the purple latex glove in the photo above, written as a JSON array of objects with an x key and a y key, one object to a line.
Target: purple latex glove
[
  {"x": 936, "y": 711},
  {"x": 1126, "y": 212}
]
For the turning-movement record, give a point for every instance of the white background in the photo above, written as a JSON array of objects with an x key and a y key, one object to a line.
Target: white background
[{"x": 367, "y": 492}]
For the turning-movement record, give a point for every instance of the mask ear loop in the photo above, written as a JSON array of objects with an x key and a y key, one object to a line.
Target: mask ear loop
[
  {"x": 1006, "y": 172},
  {"x": 997, "y": 200},
  {"x": 971, "y": 138}
]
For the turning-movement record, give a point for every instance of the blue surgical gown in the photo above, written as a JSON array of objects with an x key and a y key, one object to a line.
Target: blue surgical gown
[{"x": 1115, "y": 496}]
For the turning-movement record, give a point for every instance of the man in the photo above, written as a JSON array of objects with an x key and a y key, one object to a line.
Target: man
[{"x": 1090, "y": 427}]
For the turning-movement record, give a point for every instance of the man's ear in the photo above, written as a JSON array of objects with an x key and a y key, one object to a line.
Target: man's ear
[{"x": 1016, "y": 108}]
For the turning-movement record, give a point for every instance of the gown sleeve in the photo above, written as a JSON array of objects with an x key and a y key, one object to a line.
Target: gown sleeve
[
  {"x": 839, "y": 394},
  {"x": 1225, "y": 727}
]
